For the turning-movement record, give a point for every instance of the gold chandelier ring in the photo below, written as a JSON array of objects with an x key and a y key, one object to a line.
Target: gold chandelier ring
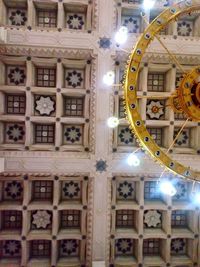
[{"x": 130, "y": 90}]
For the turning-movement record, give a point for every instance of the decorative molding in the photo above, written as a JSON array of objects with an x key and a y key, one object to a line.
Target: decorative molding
[
  {"x": 109, "y": 198},
  {"x": 177, "y": 45},
  {"x": 46, "y": 52},
  {"x": 3, "y": 35},
  {"x": 50, "y": 175},
  {"x": 162, "y": 58},
  {"x": 45, "y": 154},
  {"x": 111, "y": 111},
  {"x": 92, "y": 104},
  {"x": 188, "y": 46},
  {"x": 52, "y": 39},
  {"x": 90, "y": 222},
  {"x": 48, "y": 163},
  {"x": 95, "y": 15}
]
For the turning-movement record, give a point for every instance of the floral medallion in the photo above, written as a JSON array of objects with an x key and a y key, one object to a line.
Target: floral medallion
[
  {"x": 152, "y": 218},
  {"x": 132, "y": 24},
  {"x": 15, "y": 132},
  {"x": 75, "y": 21},
  {"x": 45, "y": 105},
  {"x": 16, "y": 75},
  {"x": 181, "y": 191},
  {"x": 41, "y": 219},
  {"x": 184, "y": 28},
  {"x": 126, "y": 136},
  {"x": 125, "y": 189},
  {"x": 104, "y": 42},
  {"x": 71, "y": 189},
  {"x": 183, "y": 139},
  {"x": 14, "y": 189},
  {"x": 69, "y": 246},
  {"x": 12, "y": 248},
  {"x": 155, "y": 109},
  {"x": 178, "y": 245},
  {"x": 73, "y": 134},
  {"x": 18, "y": 17},
  {"x": 124, "y": 245},
  {"x": 101, "y": 165},
  {"x": 74, "y": 78}
]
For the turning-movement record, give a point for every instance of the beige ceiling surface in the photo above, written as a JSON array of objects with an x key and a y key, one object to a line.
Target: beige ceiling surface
[{"x": 67, "y": 195}]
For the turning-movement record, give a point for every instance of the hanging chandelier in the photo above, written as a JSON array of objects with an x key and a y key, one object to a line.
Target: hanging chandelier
[{"x": 185, "y": 99}]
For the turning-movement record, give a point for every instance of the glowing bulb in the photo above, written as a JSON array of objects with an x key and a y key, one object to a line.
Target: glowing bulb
[
  {"x": 112, "y": 122},
  {"x": 196, "y": 198},
  {"x": 121, "y": 35},
  {"x": 133, "y": 160},
  {"x": 109, "y": 78},
  {"x": 167, "y": 188},
  {"x": 148, "y": 4}
]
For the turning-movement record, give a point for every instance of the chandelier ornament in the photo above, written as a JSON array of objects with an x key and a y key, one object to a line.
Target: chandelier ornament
[{"x": 185, "y": 99}]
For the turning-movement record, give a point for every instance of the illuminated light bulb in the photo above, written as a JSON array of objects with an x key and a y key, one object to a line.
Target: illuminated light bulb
[
  {"x": 121, "y": 35},
  {"x": 148, "y": 4},
  {"x": 109, "y": 78},
  {"x": 133, "y": 160},
  {"x": 167, "y": 188},
  {"x": 113, "y": 122},
  {"x": 196, "y": 198}
]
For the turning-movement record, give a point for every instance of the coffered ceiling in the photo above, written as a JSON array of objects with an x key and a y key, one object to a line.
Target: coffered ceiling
[{"x": 68, "y": 198}]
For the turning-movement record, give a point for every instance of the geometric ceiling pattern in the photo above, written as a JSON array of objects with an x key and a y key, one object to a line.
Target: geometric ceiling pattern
[{"x": 67, "y": 196}]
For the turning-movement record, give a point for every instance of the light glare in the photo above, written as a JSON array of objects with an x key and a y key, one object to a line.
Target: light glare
[
  {"x": 133, "y": 160},
  {"x": 167, "y": 188},
  {"x": 196, "y": 198},
  {"x": 121, "y": 35},
  {"x": 112, "y": 122},
  {"x": 148, "y": 4},
  {"x": 109, "y": 78}
]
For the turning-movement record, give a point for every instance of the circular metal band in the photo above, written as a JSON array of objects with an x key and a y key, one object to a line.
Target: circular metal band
[
  {"x": 130, "y": 93},
  {"x": 190, "y": 101}
]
